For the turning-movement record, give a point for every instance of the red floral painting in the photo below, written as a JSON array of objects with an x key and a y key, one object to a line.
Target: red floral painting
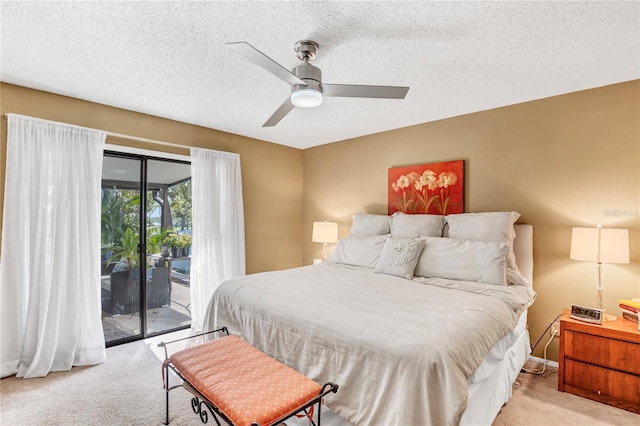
[{"x": 436, "y": 188}]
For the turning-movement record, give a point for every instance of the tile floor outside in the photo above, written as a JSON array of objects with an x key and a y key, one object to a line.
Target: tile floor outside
[{"x": 177, "y": 314}]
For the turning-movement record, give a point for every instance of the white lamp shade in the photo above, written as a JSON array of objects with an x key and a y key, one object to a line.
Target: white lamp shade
[
  {"x": 325, "y": 232},
  {"x": 602, "y": 245}
]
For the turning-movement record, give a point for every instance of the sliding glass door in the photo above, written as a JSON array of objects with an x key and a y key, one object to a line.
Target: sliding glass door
[
  {"x": 168, "y": 248},
  {"x": 121, "y": 263},
  {"x": 145, "y": 246}
]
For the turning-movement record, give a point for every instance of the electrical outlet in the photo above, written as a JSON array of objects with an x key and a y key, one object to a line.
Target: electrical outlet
[{"x": 555, "y": 329}]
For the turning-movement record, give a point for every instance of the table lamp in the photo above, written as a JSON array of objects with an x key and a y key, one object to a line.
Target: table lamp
[
  {"x": 600, "y": 245},
  {"x": 325, "y": 233}
]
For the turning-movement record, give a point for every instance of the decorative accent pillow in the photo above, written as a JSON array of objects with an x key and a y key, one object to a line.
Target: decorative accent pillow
[
  {"x": 368, "y": 225},
  {"x": 359, "y": 251},
  {"x": 466, "y": 260},
  {"x": 416, "y": 225},
  {"x": 490, "y": 227},
  {"x": 399, "y": 257}
]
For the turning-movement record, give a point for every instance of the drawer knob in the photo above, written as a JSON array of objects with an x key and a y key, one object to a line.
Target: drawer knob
[{"x": 598, "y": 392}]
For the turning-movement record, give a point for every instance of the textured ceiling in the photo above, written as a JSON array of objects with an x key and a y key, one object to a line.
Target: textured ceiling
[{"x": 169, "y": 59}]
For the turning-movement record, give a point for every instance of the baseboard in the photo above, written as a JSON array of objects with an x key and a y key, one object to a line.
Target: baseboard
[{"x": 540, "y": 361}]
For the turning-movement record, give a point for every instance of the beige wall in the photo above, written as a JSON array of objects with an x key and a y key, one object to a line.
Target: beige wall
[
  {"x": 571, "y": 160},
  {"x": 271, "y": 173}
]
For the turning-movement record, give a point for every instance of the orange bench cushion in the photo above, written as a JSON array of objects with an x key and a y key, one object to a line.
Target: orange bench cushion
[{"x": 244, "y": 383}]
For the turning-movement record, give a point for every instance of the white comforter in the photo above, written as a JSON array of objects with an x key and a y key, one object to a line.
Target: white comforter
[{"x": 400, "y": 350}]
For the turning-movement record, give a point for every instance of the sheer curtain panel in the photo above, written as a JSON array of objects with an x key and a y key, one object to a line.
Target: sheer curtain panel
[
  {"x": 49, "y": 268},
  {"x": 217, "y": 250}
]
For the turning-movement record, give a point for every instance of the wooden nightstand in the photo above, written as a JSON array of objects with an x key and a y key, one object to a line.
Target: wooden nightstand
[{"x": 600, "y": 362}]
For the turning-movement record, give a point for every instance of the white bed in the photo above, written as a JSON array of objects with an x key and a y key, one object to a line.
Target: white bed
[{"x": 420, "y": 351}]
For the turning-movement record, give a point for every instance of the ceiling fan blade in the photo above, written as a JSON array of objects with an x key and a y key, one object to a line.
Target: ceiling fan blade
[
  {"x": 357, "y": 91},
  {"x": 257, "y": 57},
  {"x": 280, "y": 113}
]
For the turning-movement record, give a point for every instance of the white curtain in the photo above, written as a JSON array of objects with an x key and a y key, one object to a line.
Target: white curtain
[
  {"x": 217, "y": 250},
  {"x": 50, "y": 264}
]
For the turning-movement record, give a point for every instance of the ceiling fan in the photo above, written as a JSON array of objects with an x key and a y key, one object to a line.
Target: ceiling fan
[{"x": 307, "y": 88}]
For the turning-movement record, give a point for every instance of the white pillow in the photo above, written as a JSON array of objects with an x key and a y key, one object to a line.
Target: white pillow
[
  {"x": 416, "y": 225},
  {"x": 368, "y": 225},
  {"x": 399, "y": 257},
  {"x": 466, "y": 260},
  {"x": 359, "y": 251},
  {"x": 490, "y": 227}
]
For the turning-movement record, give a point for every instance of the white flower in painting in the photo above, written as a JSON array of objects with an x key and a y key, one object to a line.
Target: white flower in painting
[
  {"x": 403, "y": 182},
  {"x": 447, "y": 179},
  {"x": 429, "y": 180}
]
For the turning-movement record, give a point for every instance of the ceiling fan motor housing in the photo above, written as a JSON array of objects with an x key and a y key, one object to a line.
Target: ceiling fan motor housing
[{"x": 310, "y": 74}]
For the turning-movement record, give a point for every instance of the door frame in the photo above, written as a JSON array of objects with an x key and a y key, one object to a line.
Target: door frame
[{"x": 143, "y": 156}]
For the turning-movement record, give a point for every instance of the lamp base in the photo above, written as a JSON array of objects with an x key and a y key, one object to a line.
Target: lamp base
[{"x": 608, "y": 317}]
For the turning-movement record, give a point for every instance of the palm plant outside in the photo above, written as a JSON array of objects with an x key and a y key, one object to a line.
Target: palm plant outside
[{"x": 120, "y": 221}]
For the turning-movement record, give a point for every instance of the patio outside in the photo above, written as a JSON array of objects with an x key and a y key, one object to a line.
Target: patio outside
[
  {"x": 177, "y": 314},
  {"x": 166, "y": 264}
]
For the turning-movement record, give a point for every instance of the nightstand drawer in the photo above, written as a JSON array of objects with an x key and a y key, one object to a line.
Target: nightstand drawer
[
  {"x": 600, "y": 384},
  {"x": 600, "y": 362},
  {"x": 602, "y": 351}
]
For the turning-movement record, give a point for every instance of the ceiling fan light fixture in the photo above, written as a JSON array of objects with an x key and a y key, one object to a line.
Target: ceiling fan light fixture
[
  {"x": 306, "y": 98},
  {"x": 307, "y": 90}
]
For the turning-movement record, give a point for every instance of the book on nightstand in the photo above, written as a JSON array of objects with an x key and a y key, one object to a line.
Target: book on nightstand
[
  {"x": 630, "y": 309},
  {"x": 631, "y": 316},
  {"x": 630, "y": 304}
]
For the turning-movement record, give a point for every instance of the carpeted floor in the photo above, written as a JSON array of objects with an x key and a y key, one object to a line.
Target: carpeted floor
[
  {"x": 536, "y": 401},
  {"x": 127, "y": 390}
]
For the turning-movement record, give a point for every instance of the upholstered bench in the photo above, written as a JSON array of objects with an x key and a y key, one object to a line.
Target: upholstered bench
[{"x": 240, "y": 384}]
